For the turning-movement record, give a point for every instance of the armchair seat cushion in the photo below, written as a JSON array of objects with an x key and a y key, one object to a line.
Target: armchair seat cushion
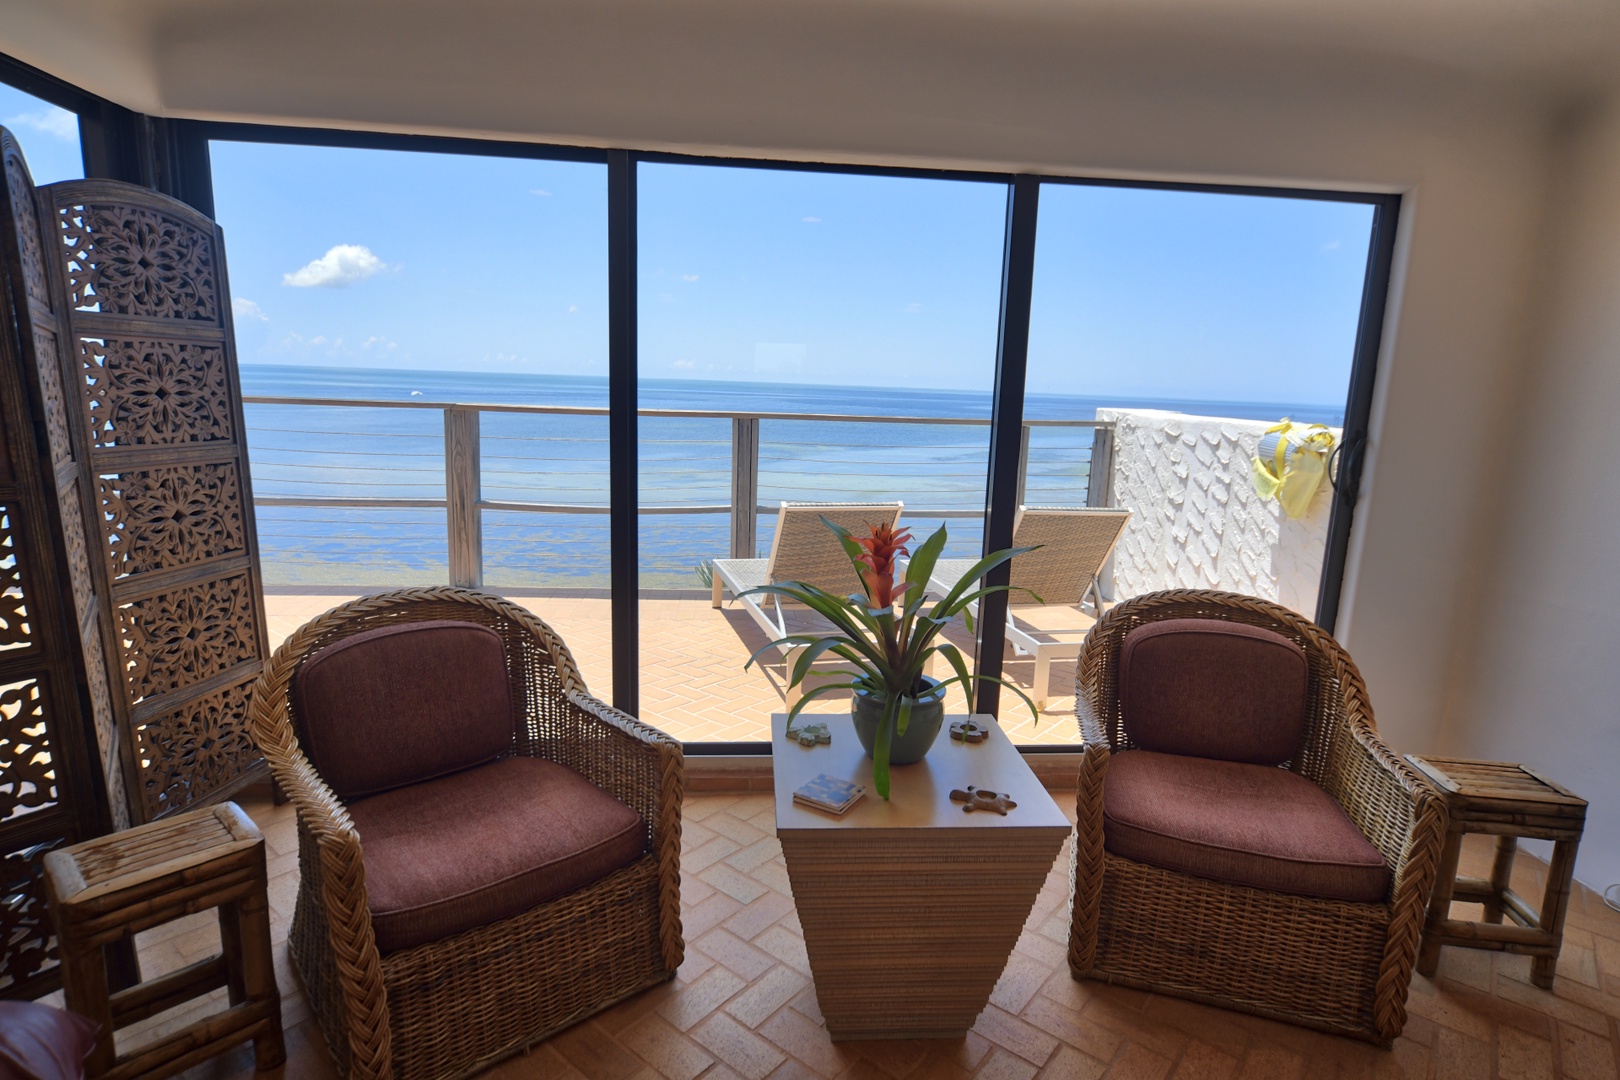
[
  {"x": 1243, "y": 824},
  {"x": 486, "y": 844}
]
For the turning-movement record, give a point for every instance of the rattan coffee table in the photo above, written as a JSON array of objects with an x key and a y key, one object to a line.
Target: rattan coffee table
[
  {"x": 911, "y": 907},
  {"x": 1508, "y": 801}
]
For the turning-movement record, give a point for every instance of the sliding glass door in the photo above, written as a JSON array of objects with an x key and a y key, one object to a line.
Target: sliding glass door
[{"x": 804, "y": 337}]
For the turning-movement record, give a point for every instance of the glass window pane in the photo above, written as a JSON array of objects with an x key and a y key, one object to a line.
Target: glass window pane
[
  {"x": 773, "y": 302},
  {"x": 416, "y": 282},
  {"x": 1189, "y": 323},
  {"x": 48, "y": 135}
]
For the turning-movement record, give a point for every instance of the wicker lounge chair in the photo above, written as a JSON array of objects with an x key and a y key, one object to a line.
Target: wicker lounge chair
[
  {"x": 1074, "y": 542},
  {"x": 803, "y": 549},
  {"x": 1200, "y": 871},
  {"x": 426, "y": 945}
]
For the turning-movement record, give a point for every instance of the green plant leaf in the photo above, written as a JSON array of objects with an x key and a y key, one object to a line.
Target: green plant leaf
[
  {"x": 958, "y": 663},
  {"x": 808, "y": 657},
  {"x": 977, "y": 571},
  {"x": 903, "y": 716},
  {"x": 921, "y": 566},
  {"x": 880, "y": 751},
  {"x": 811, "y": 695},
  {"x": 791, "y": 639}
]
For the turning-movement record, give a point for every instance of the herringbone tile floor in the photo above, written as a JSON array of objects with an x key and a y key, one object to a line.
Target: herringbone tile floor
[
  {"x": 743, "y": 1004},
  {"x": 693, "y": 685}
]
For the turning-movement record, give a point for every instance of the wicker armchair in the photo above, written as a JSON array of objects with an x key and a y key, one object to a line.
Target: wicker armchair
[
  {"x": 448, "y": 1007},
  {"x": 1334, "y": 965}
]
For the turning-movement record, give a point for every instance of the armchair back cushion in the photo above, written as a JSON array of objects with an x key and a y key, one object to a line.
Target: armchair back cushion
[
  {"x": 1213, "y": 689},
  {"x": 403, "y": 704}
]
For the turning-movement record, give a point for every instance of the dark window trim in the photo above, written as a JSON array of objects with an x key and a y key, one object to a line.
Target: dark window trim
[
  {"x": 1017, "y": 291},
  {"x": 1358, "y": 406},
  {"x": 47, "y": 87}
]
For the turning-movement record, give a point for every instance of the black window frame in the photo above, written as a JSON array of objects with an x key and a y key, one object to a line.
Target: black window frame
[{"x": 173, "y": 156}]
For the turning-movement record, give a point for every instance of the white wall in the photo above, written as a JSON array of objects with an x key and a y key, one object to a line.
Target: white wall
[
  {"x": 1543, "y": 685},
  {"x": 1196, "y": 520}
]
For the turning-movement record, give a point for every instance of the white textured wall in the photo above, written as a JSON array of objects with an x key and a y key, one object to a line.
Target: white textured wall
[
  {"x": 1197, "y": 522},
  {"x": 1541, "y": 682}
]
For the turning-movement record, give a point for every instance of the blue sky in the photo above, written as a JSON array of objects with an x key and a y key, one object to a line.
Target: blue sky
[
  {"x": 48, "y": 135},
  {"x": 363, "y": 258}
]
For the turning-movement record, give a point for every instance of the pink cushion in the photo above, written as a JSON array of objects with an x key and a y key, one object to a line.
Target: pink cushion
[
  {"x": 403, "y": 704},
  {"x": 38, "y": 1042},
  {"x": 1253, "y": 825},
  {"x": 1213, "y": 689},
  {"x": 486, "y": 844}
]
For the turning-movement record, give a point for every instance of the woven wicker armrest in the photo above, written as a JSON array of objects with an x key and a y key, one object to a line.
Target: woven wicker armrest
[
  {"x": 1086, "y": 859},
  {"x": 1405, "y": 818},
  {"x": 646, "y": 770},
  {"x": 339, "y": 879}
]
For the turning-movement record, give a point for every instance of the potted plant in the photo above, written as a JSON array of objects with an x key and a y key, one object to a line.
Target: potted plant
[{"x": 889, "y": 638}]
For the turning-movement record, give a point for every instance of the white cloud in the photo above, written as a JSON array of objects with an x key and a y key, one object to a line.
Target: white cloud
[
  {"x": 243, "y": 308},
  {"x": 688, "y": 277},
  {"x": 52, "y": 121},
  {"x": 342, "y": 265},
  {"x": 811, "y": 220},
  {"x": 1331, "y": 245},
  {"x": 542, "y": 192},
  {"x": 912, "y": 308},
  {"x": 380, "y": 344},
  {"x": 573, "y": 308},
  {"x": 684, "y": 365}
]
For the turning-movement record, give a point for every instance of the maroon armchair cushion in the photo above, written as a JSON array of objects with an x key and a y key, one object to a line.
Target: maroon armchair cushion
[
  {"x": 486, "y": 844},
  {"x": 38, "y": 1042},
  {"x": 1254, "y": 825},
  {"x": 1213, "y": 689},
  {"x": 403, "y": 704}
]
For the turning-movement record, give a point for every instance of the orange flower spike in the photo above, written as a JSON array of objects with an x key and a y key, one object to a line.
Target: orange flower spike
[{"x": 882, "y": 547}]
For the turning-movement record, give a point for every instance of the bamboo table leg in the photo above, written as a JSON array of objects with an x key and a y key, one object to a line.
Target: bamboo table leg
[
  {"x": 1445, "y": 881},
  {"x": 1554, "y": 904},
  {"x": 1501, "y": 876}
]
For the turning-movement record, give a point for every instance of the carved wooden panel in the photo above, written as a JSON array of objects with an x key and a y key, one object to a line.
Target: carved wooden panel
[
  {"x": 27, "y": 943},
  {"x": 13, "y": 604},
  {"x": 27, "y": 779},
  {"x": 158, "y": 424},
  {"x": 171, "y": 516},
  {"x": 125, "y": 259},
  {"x": 188, "y": 635},
  {"x": 51, "y": 789},
  {"x": 156, "y": 393},
  {"x": 200, "y": 742}
]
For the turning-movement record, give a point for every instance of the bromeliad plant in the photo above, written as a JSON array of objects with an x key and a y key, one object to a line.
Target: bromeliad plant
[{"x": 887, "y": 634}]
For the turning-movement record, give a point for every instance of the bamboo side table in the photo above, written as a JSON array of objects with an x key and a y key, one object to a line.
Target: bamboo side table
[
  {"x": 108, "y": 889},
  {"x": 1508, "y": 801}
]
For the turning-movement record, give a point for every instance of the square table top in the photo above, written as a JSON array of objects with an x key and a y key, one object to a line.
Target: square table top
[
  {"x": 1494, "y": 781},
  {"x": 920, "y": 794}
]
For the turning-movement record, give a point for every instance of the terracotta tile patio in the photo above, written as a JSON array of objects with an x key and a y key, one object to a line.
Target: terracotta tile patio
[
  {"x": 692, "y": 680},
  {"x": 743, "y": 1004}
]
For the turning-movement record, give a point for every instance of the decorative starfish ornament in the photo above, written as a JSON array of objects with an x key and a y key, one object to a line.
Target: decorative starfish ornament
[
  {"x": 968, "y": 731},
  {"x": 810, "y": 734},
  {"x": 980, "y": 799}
]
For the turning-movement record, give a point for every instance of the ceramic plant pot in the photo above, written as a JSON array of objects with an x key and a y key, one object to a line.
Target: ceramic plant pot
[{"x": 927, "y": 716}]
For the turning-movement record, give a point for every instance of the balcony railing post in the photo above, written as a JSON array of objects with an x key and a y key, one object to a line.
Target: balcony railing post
[
  {"x": 744, "y": 485},
  {"x": 462, "y": 492},
  {"x": 1100, "y": 482}
]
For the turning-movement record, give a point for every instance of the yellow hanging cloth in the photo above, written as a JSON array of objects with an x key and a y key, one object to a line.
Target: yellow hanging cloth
[{"x": 1292, "y": 478}]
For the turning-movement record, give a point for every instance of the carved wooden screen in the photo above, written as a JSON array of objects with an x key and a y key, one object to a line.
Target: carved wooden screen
[
  {"x": 158, "y": 419},
  {"x": 50, "y": 784}
]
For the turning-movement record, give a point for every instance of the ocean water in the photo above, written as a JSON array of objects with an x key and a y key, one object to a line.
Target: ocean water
[{"x": 301, "y": 451}]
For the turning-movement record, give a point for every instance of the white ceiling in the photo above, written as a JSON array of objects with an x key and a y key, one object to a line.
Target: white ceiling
[{"x": 862, "y": 78}]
